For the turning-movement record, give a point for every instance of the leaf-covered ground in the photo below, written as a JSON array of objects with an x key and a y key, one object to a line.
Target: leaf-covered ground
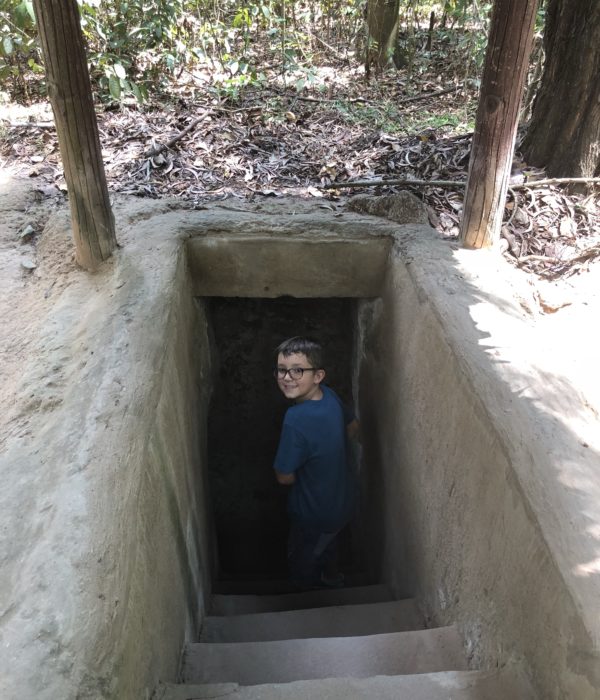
[{"x": 198, "y": 145}]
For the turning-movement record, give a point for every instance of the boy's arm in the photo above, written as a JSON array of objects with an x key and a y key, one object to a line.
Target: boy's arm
[
  {"x": 291, "y": 455},
  {"x": 285, "y": 479}
]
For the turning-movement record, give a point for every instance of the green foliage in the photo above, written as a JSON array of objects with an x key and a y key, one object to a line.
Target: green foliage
[
  {"x": 385, "y": 116},
  {"x": 391, "y": 118},
  {"x": 19, "y": 57},
  {"x": 134, "y": 45},
  {"x": 142, "y": 47}
]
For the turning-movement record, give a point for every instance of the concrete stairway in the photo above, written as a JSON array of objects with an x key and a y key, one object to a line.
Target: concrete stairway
[{"x": 351, "y": 643}]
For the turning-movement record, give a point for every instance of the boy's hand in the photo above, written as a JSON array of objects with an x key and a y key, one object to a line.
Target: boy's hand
[
  {"x": 353, "y": 430},
  {"x": 285, "y": 479}
]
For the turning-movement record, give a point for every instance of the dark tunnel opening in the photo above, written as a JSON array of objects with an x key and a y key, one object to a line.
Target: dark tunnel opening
[{"x": 245, "y": 417}]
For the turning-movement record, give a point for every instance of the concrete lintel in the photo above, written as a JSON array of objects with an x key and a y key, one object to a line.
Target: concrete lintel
[{"x": 277, "y": 265}]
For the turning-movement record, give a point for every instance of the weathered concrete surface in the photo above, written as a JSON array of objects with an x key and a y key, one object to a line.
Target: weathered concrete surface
[
  {"x": 104, "y": 554},
  {"x": 255, "y": 265},
  {"x": 247, "y": 604},
  {"x": 448, "y": 685},
  {"x": 334, "y": 621},
  {"x": 486, "y": 451},
  {"x": 251, "y": 663},
  {"x": 304, "y": 252}
]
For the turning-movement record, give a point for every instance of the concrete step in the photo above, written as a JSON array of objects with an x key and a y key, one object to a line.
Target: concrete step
[
  {"x": 450, "y": 685},
  {"x": 246, "y": 604},
  {"x": 336, "y": 621},
  {"x": 266, "y": 586},
  {"x": 252, "y": 663}
]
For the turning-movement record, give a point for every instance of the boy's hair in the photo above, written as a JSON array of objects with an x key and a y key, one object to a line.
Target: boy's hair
[{"x": 307, "y": 346}]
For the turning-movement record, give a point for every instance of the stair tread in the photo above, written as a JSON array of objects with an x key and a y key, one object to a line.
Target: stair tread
[
  {"x": 334, "y": 621},
  {"x": 251, "y": 663},
  {"x": 269, "y": 586},
  {"x": 245, "y": 604},
  {"x": 446, "y": 685}
]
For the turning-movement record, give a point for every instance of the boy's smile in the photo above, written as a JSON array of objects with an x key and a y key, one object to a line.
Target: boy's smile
[{"x": 305, "y": 388}]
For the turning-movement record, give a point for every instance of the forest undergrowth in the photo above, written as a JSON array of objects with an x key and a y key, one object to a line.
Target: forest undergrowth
[{"x": 286, "y": 134}]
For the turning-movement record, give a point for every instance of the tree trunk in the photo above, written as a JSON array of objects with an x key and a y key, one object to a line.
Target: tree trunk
[
  {"x": 70, "y": 94},
  {"x": 382, "y": 26},
  {"x": 429, "y": 44},
  {"x": 564, "y": 133},
  {"x": 506, "y": 62}
]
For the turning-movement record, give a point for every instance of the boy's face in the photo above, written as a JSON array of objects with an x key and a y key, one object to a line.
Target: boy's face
[{"x": 307, "y": 386}]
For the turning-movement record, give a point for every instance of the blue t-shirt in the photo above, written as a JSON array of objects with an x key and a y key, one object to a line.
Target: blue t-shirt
[{"x": 313, "y": 447}]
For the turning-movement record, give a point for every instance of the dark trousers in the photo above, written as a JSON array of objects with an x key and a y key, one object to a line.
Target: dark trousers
[{"x": 311, "y": 553}]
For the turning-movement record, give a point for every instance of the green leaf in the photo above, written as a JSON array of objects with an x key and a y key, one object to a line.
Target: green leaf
[
  {"x": 29, "y": 7},
  {"x": 120, "y": 71},
  {"x": 114, "y": 86},
  {"x": 137, "y": 92},
  {"x": 35, "y": 67},
  {"x": 21, "y": 16}
]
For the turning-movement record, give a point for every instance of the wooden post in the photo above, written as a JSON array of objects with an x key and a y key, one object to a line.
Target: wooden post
[
  {"x": 506, "y": 62},
  {"x": 70, "y": 95}
]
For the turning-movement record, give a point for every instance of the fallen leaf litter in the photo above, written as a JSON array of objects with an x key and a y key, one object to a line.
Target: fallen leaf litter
[{"x": 273, "y": 142}]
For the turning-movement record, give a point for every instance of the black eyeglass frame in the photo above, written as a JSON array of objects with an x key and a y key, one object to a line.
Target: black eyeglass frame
[{"x": 281, "y": 372}]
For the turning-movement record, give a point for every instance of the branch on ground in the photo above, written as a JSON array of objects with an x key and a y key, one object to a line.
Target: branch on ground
[
  {"x": 159, "y": 148},
  {"x": 457, "y": 183}
]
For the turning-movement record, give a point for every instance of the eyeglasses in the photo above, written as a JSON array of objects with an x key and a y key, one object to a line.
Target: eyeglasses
[{"x": 294, "y": 372}]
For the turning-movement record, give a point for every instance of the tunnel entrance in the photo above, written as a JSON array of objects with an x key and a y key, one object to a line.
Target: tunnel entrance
[{"x": 245, "y": 417}]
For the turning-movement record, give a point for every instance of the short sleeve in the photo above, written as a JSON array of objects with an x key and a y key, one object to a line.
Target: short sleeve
[{"x": 292, "y": 452}]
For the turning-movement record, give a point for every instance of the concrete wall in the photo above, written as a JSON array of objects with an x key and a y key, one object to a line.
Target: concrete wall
[
  {"x": 105, "y": 539},
  {"x": 105, "y": 545},
  {"x": 165, "y": 569},
  {"x": 457, "y": 527},
  {"x": 482, "y": 501}
]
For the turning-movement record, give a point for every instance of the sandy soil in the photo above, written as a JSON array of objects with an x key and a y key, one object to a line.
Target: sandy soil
[{"x": 36, "y": 269}]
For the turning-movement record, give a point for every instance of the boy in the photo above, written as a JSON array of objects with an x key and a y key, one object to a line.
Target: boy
[{"x": 312, "y": 458}]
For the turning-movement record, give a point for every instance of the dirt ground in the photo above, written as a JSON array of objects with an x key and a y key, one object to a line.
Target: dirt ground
[
  {"x": 26, "y": 292},
  {"x": 38, "y": 263}
]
